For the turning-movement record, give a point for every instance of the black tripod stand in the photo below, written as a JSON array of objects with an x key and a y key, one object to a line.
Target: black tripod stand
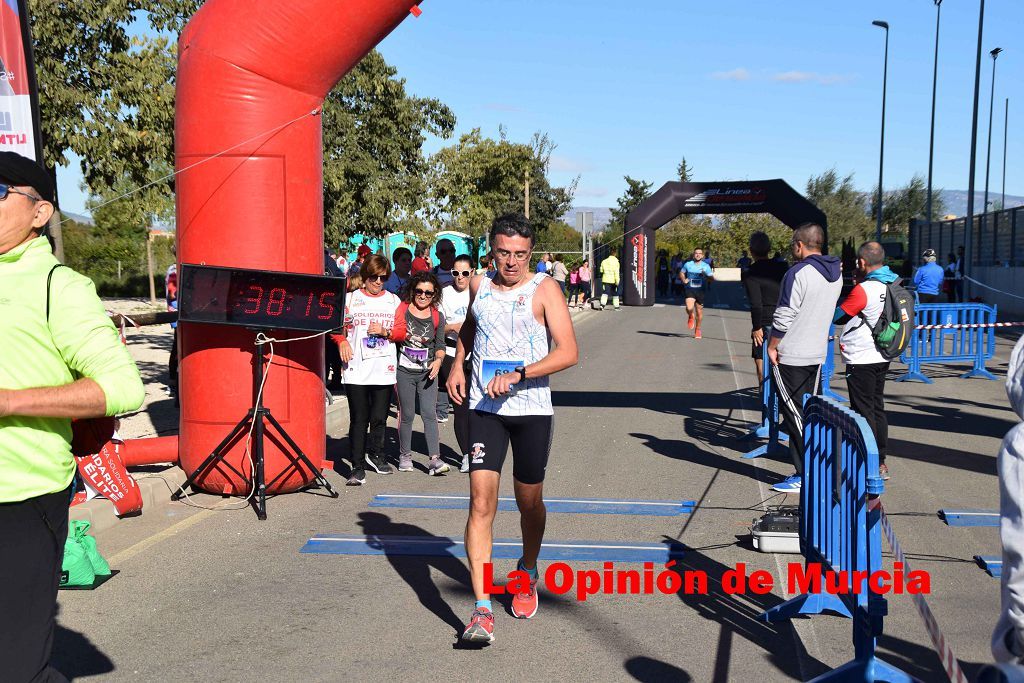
[{"x": 254, "y": 419}]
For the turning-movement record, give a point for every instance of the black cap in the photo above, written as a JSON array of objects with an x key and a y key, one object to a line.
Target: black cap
[{"x": 19, "y": 170}]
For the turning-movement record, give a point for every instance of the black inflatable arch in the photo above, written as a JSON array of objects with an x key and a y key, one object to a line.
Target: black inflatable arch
[{"x": 675, "y": 199}]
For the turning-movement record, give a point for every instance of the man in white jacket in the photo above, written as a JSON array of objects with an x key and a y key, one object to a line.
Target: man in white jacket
[{"x": 1008, "y": 637}]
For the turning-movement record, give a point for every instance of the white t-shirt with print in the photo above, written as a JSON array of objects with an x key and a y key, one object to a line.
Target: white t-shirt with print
[
  {"x": 455, "y": 306},
  {"x": 373, "y": 358}
]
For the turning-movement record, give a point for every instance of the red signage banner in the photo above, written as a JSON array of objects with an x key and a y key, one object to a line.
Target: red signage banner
[{"x": 18, "y": 117}]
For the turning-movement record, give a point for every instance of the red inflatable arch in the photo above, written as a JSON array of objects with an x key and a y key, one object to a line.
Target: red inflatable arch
[{"x": 246, "y": 68}]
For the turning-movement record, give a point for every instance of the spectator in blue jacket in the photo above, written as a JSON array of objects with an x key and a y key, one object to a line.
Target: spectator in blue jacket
[{"x": 928, "y": 279}]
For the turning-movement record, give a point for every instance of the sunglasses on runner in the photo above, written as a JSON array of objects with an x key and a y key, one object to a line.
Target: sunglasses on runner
[
  {"x": 6, "y": 189},
  {"x": 461, "y": 273},
  {"x": 424, "y": 292},
  {"x": 376, "y": 278}
]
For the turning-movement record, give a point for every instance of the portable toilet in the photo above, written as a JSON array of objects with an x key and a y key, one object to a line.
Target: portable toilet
[{"x": 463, "y": 243}]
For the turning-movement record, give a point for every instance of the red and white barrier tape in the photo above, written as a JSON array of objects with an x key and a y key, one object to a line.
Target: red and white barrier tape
[
  {"x": 969, "y": 326},
  {"x": 944, "y": 650}
]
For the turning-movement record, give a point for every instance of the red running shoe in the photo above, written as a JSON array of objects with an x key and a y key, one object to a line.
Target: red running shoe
[
  {"x": 697, "y": 335},
  {"x": 524, "y": 605},
  {"x": 689, "y": 320},
  {"x": 481, "y": 627}
]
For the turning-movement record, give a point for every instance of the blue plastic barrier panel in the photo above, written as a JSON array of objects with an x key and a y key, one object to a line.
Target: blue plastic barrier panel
[
  {"x": 503, "y": 548},
  {"x": 969, "y": 517},
  {"x": 590, "y": 506},
  {"x": 992, "y": 564}
]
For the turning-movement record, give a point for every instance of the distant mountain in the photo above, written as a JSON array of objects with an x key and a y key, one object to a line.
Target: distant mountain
[{"x": 956, "y": 200}]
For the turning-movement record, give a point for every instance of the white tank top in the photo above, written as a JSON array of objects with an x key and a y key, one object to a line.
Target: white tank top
[
  {"x": 373, "y": 358},
  {"x": 508, "y": 335}
]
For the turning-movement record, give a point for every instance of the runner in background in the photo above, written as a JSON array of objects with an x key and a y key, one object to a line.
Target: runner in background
[
  {"x": 402, "y": 259},
  {"x": 696, "y": 274},
  {"x": 511, "y": 320},
  {"x": 610, "y": 273}
]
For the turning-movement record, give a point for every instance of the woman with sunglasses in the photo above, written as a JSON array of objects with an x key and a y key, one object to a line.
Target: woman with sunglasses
[
  {"x": 369, "y": 358},
  {"x": 419, "y": 333}
]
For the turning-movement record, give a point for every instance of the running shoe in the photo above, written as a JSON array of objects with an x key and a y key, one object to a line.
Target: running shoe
[
  {"x": 465, "y": 464},
  {"x": 378, "y": 464},
  {"x": 524, "y": 605},
  {"x": 689, "y": 320},
  {"x": 357, "y": 478},
  {"x": 481, "y": 627},
  {"x": 789, "y": 485},
  {"x": 442, "y": 420},
  {"x": 883, "y": 472},
  {"x": 437, "y": 466},
  {"x": 405, "y": 462},
  {"x": 697, "y": 335}
]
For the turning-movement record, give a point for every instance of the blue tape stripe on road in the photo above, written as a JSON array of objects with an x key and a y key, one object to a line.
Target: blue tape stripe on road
[
  {"x": 970, "y": 517},
  {"x": 593, "y": 506},
  {"x": 504, "y": 548},
  {"x": 992, "y": 564}
]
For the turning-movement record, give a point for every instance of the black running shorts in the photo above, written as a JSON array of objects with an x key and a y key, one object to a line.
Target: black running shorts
[
  {"x": 489, "y": 437},
  {"x": 697, "y": 294}
]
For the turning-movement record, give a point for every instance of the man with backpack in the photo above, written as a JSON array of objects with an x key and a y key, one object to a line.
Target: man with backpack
[{"x": 878, "y": 315}]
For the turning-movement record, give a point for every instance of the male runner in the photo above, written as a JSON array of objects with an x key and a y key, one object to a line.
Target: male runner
[
  {"x": 511, "y": 320},
  {"x": 696, "y": 274}
]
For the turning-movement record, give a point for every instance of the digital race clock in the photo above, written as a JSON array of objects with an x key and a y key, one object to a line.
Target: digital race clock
[{"x": 260, "y": 299}]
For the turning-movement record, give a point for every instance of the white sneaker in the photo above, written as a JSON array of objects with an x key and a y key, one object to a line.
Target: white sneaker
[{"x": 465, "y": 464}]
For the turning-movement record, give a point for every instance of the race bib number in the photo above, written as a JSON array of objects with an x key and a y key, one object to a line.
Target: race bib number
[
  {"x": 416, "y": 355},
  {"x": 492, "y": 367},
  {"x": 375, "y": 347},
  {"x": 696, "y": 281}
]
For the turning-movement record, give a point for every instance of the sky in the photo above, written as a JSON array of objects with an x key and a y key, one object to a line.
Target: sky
[{"x": 743, "y": 89}]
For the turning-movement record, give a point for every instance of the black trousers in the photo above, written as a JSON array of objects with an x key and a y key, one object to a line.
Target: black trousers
[
  {"x": 332, "y": 364},
  {"x": 32, "y": 535},
  {"x": 930, "y": 298},
  {"x": 867, "y": 397},
  {"x": 367, "y": 407},
  {"x": 461, "y": 411},
  {"x": 793, "y": 381}
]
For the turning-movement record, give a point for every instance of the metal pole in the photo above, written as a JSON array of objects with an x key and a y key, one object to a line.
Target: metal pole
[
  {"x": 935, "y": 79},
  {"x": 991, "y": 105},
  {"x": 969, "y": 222},
  {"x": 1006, "y": 122},
  {"x": 881, "y": 148}
]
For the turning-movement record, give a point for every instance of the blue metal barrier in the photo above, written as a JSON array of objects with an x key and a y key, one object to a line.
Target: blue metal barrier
[
  {"x": 769, "y": 427},
  {"x": 829, "y": 369},
  {"x": 841, "y": 531},
  {"x": 958, "y": 345}
]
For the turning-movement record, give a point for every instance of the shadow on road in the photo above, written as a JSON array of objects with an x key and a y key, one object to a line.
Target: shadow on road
[
  {"x": 649, "y": 670},
  {"x": 691, "y": 452},
  {"x": 740, "y": 616},
  {"x": 415, "y": 570},
  {"x": 74, "y": 655}
]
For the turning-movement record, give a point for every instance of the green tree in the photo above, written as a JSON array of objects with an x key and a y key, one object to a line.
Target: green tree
[
  {"x": 843, "y": 206},
  {"x": 374, "y": 168},
  {"x": 684, "y": 171},
  {"x": 905, "y": 203},
  {"x": 479, "y": 178}
]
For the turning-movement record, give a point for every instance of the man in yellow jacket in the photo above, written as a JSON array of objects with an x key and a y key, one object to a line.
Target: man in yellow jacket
[
  {"x": 610, "y": 273},
  {"x": 60, "y": 359}
]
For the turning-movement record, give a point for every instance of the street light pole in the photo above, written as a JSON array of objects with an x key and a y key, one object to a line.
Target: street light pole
[
  {"x": 881, "y": 148},
  {"x": 969, "y": 224},
  {"x": 935, "y": 80},
  {"x": 991, "y": 103},
  {"x": 1006, "y": 123}
]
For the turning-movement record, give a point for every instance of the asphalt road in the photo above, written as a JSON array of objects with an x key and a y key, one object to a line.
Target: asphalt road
[{"x": 650, "y": 414}]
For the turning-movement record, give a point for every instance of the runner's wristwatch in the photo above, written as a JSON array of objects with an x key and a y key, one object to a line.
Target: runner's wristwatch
[{"x": 522, "y": 373}]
